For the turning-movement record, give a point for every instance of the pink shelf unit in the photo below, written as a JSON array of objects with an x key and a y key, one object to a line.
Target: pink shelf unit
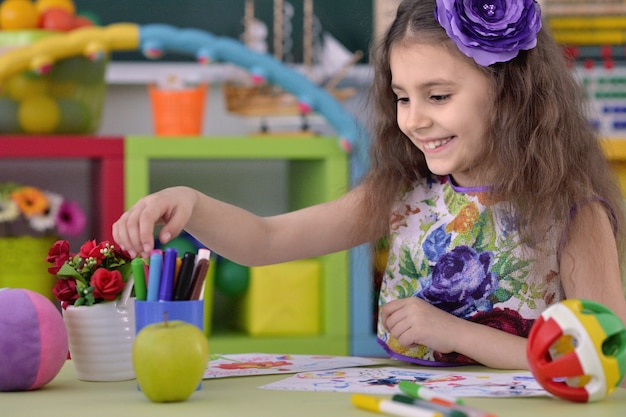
[{"x": 106, "y": 155}]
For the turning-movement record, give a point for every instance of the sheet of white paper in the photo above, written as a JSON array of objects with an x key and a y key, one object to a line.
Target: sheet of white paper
[
  {"x": 384, "y": 380},
  {"x": 246, "y": 364}
]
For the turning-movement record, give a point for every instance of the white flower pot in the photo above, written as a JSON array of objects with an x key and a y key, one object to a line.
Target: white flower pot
[{"x": 101, "y": 338}]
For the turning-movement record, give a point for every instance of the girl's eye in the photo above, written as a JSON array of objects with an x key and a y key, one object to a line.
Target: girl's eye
[
  {"x": 441, "y": 97},
  {"x": 401, "y": 100}
]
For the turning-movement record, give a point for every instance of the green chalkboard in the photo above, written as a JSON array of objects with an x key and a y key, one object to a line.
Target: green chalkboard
[{"x": 349, "y": 21}]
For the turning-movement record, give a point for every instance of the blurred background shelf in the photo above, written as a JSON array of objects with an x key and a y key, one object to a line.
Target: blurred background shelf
[
  {"x": 316, "y": 170},
  {"x": 101, "y": 157}
]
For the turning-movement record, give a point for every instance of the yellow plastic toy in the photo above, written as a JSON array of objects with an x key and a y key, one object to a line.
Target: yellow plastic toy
[
  {"x": 56, "y": 83},
  {"x": 577, "y": 350},
  {"x": 92, "y": 42}
]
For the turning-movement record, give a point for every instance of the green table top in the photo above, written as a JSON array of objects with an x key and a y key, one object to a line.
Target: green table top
[{"x": 239, "y": 396}]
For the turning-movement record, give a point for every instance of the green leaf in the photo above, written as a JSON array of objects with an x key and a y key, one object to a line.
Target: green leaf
[
  {"x": 90, "y": 299},
  {"x": 500, "y": 295},
  {"x": 126, "y": 271},
  {"x": 66, "y": 271},
  {"x": 407, "y": 267},
  {"x": 454, "y": 201},
  {"x": 484, "y": 233},
  {"x": 81, "y": 287},
  {"x": 424, "y": 270},
  {"x": 401, "y": 292},
  {"x": 86, "y": 297}
]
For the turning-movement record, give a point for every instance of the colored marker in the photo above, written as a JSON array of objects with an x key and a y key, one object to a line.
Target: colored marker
[
  {"x": 445, "y": 410},
  {"x": 424, "y": 393},
  {"x": 137, "y": 266},
  {"x": 392, "y": 408},
  {"x": 199, "y": 274},
  {"x": 154, "y": 274},
  {"x": 179, "y": 264},
  {"x": 166, "y": 287},
  {"x": 183, "y": 287}
]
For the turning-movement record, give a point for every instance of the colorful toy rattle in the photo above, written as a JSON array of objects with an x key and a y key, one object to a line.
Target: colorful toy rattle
[{"x": 577, "y": 350}]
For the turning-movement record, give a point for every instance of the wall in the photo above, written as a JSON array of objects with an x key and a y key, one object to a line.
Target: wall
[{"x": 225, "y": 18}]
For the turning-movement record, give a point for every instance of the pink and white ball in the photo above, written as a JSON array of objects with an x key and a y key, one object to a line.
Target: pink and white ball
[{"x": 33, "y": 341}]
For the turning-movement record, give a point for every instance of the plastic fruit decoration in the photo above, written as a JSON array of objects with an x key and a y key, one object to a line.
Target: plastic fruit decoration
[
  {"x": 18, "y": 14},
  {"x": 39, "y": 114},
  {"x": 59, "y": 20},
  {"x": 67, "y": 5}
]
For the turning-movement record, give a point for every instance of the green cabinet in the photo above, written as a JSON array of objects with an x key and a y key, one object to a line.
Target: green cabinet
[{"x": 317, "y": 171}]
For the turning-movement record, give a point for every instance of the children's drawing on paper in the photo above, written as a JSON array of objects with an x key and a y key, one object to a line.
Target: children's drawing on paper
[
  {"x": 221, "y": 366},
  {"x": 384, "y": 380}
]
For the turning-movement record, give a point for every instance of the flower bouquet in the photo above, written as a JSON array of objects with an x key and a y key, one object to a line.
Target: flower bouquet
[
  {"x": 30, "y": 211},
  {"x": 94, "y": 287},
  {"x": 97, "y": 273}
]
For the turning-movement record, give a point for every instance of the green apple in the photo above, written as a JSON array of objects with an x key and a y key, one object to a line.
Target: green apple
[{"x": 169, "y": 359}]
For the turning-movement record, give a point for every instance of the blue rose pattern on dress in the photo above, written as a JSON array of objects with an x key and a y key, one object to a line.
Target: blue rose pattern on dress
[
  {"x": 461, "y": 282},
  {"x": 436, "y": 243}
]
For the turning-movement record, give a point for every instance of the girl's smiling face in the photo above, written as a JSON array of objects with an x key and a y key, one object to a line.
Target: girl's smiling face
[{"x": 443, "y": 102}]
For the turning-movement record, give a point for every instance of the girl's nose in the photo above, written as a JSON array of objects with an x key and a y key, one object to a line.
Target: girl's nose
[{"x": 417, "y": 119}]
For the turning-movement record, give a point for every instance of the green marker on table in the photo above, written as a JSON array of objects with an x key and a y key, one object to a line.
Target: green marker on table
[
  {"x": 424, "y": 393},
  {"x": 139, "y": 274}
]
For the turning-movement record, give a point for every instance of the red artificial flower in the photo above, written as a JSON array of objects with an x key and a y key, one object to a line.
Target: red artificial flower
[
  {"x": 119, "y": 253},
  {"x": 65, "y": 291},
  {"x": 96, "y": 274},
  {"x": 107, "y": 284},
  {"x": 91, "y": 249},
  {"x": 57, "y": 255}
]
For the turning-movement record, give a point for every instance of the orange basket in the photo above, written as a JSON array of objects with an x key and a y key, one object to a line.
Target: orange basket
[{"x": 178, "y": 112}]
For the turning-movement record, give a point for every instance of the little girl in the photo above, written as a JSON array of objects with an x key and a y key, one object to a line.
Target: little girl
[{"x": 486, "y": 179}]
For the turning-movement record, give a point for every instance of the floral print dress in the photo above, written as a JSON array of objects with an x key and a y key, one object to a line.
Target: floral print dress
[{"x": 459, "y": 251}]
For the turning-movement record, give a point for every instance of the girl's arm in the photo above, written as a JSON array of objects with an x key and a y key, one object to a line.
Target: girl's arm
[
  {"x": 252, "y": 240},
  {"x": 240, "y": 235},
  {"x": 589, "y": 262}
]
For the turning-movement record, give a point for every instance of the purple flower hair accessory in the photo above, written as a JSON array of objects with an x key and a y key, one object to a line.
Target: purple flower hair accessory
[{"x": 490, "y": 31}]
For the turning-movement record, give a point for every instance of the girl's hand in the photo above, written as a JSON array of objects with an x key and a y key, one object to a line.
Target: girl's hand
[
  {"x": 413, "y": 321},
  {"x": 171, "y": 207}
]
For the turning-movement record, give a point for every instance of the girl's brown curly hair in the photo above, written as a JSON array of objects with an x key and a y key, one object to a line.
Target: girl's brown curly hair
[{"x": 545, "y": 156}]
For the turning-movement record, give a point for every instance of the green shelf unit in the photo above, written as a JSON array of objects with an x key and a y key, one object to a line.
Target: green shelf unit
[{"x": 317, "y": 171}]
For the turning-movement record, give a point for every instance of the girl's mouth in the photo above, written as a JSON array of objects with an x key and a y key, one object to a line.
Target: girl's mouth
[{"x": 434, "y": 144}]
